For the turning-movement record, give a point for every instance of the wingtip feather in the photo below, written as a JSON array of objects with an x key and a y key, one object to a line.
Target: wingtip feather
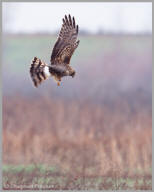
[
  {"x": 77, "y": 28},
  {"x": 70, "y": 20},
  {"x": 73, "y": 22}
]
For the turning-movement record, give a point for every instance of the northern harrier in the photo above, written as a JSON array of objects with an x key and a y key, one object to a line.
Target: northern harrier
[{"x": 60, "y": 58}]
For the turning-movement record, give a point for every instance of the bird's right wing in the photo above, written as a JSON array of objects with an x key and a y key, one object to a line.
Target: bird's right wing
[{"x": 66, "y": 43}]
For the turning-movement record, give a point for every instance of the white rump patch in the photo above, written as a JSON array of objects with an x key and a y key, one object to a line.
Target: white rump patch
[{"x": 46, "y": 71}]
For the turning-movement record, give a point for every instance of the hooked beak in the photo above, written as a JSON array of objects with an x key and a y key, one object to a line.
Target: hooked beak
[{"x": 73, "y": 74}]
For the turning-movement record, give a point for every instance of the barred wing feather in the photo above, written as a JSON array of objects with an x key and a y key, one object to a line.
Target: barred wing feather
[{"x": 66, "y": 43}]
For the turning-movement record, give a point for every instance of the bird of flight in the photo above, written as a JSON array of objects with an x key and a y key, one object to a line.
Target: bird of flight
[{"x": 61, "y": 55}]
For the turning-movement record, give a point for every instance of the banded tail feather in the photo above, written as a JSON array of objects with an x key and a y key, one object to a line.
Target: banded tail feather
[{"x": 39, "y": 71}]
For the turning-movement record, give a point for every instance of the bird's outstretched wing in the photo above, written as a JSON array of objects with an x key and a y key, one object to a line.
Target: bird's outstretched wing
[{"x": 66, "y": 43}]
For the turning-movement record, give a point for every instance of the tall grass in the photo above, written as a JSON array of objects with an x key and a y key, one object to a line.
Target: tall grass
[{"x": 76, "y": 137}]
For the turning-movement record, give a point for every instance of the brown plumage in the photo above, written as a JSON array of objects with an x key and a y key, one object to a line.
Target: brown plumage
[{"x": 61, "y": 55}]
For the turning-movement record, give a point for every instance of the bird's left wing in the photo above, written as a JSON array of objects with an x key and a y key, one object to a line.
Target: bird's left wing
[{"x": 66, "y": 43}]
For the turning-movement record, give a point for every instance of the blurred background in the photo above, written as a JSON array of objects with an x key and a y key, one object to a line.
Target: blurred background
[{"x": 96, "y": 123}]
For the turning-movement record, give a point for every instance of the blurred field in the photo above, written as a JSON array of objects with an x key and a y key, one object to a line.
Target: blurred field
[
  {"x": 92, "y": 132},
  {"x": 108, "y": 67}
]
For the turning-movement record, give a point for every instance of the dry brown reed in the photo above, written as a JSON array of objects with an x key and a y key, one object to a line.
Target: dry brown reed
[{"x": 80, "y": 138}]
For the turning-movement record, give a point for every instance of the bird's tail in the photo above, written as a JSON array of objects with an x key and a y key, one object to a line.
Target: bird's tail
[{"x": 39, "y": 71}]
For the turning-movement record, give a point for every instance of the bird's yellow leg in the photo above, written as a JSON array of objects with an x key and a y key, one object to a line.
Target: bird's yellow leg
[
  {"x": 57, "y": 79},
  {"x": 58, "y": 83}
]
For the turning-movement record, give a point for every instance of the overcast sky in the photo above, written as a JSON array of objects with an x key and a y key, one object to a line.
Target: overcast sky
[{"x": 47, "y": 17}]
